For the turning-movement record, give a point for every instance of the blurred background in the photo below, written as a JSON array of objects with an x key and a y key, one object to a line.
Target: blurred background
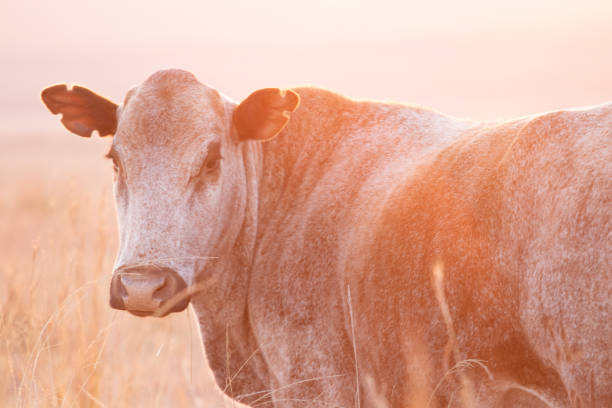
[
  {"x": 60, "y": 344},
  {"x": 474, "y": 58}
]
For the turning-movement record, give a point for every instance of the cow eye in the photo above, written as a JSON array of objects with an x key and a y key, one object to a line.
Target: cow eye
[
  {"x": 212, "y": 165},
  {"x": 113, "y": 156},
  {"x": 213, "y": 158},
  {"x": 209, "y": 168}
]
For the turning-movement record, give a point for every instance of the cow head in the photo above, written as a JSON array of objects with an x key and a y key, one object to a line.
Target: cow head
[{"x": 180, "y": 179}]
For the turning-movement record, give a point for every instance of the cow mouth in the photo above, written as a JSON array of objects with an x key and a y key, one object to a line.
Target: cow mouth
[
  {"x": 162, "y": 311},
  {"x": 140, "y": 313}
]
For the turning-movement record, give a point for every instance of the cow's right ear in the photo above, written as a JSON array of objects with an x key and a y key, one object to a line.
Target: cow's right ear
[
  {"x": 264, "y": 113},
  {"x": 83, "y": 111}
]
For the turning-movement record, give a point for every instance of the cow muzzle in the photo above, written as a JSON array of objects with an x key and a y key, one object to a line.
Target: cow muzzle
[{"x": 148, "y": 290}]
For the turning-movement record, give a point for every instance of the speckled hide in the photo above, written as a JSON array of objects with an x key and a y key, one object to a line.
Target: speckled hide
[{"x": 314, "y": 235}]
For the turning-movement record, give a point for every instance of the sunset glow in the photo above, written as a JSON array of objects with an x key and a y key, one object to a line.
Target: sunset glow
[
  {"x": 468, "y": 256},
  {"x": 472, "y": 58}
]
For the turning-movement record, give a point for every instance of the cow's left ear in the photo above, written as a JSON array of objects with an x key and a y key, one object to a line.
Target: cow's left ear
[
  {"x": 83, "y": 111},
  {"x": 264, "y": 113}
]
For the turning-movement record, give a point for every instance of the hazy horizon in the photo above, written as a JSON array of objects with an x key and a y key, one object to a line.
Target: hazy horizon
[{"x": 470, "y": 59}]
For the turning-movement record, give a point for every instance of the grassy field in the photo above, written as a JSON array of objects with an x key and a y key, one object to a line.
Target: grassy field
[{"x": 61, "y": 345}]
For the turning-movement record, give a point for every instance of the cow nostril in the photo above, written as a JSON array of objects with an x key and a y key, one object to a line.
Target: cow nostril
[
  {"x": 160, "y": 292},
  {"x": 121, "y": 289}
]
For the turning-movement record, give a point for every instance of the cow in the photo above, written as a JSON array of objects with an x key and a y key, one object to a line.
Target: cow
[{"x": 344, "y": 253}]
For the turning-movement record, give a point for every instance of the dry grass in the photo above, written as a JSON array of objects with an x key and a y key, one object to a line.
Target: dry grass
[{"x": 60, "y": 343}]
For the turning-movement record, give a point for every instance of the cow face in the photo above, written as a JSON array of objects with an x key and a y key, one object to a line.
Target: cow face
[{"x": 180, "y": 178}]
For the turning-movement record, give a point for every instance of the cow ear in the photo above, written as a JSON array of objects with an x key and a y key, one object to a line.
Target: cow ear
[
  {"x": 264, "y": 113},
  {"x": 83, "y": 111}
]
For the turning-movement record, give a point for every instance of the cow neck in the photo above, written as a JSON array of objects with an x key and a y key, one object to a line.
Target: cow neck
[{"x": 231, "y": 347}]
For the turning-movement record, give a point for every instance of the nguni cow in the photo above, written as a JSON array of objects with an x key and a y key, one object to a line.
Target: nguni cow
[{"x": 343, "y": 253}]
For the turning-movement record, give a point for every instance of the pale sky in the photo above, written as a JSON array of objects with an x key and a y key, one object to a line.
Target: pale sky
[{"x": 468, "y": 58}]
